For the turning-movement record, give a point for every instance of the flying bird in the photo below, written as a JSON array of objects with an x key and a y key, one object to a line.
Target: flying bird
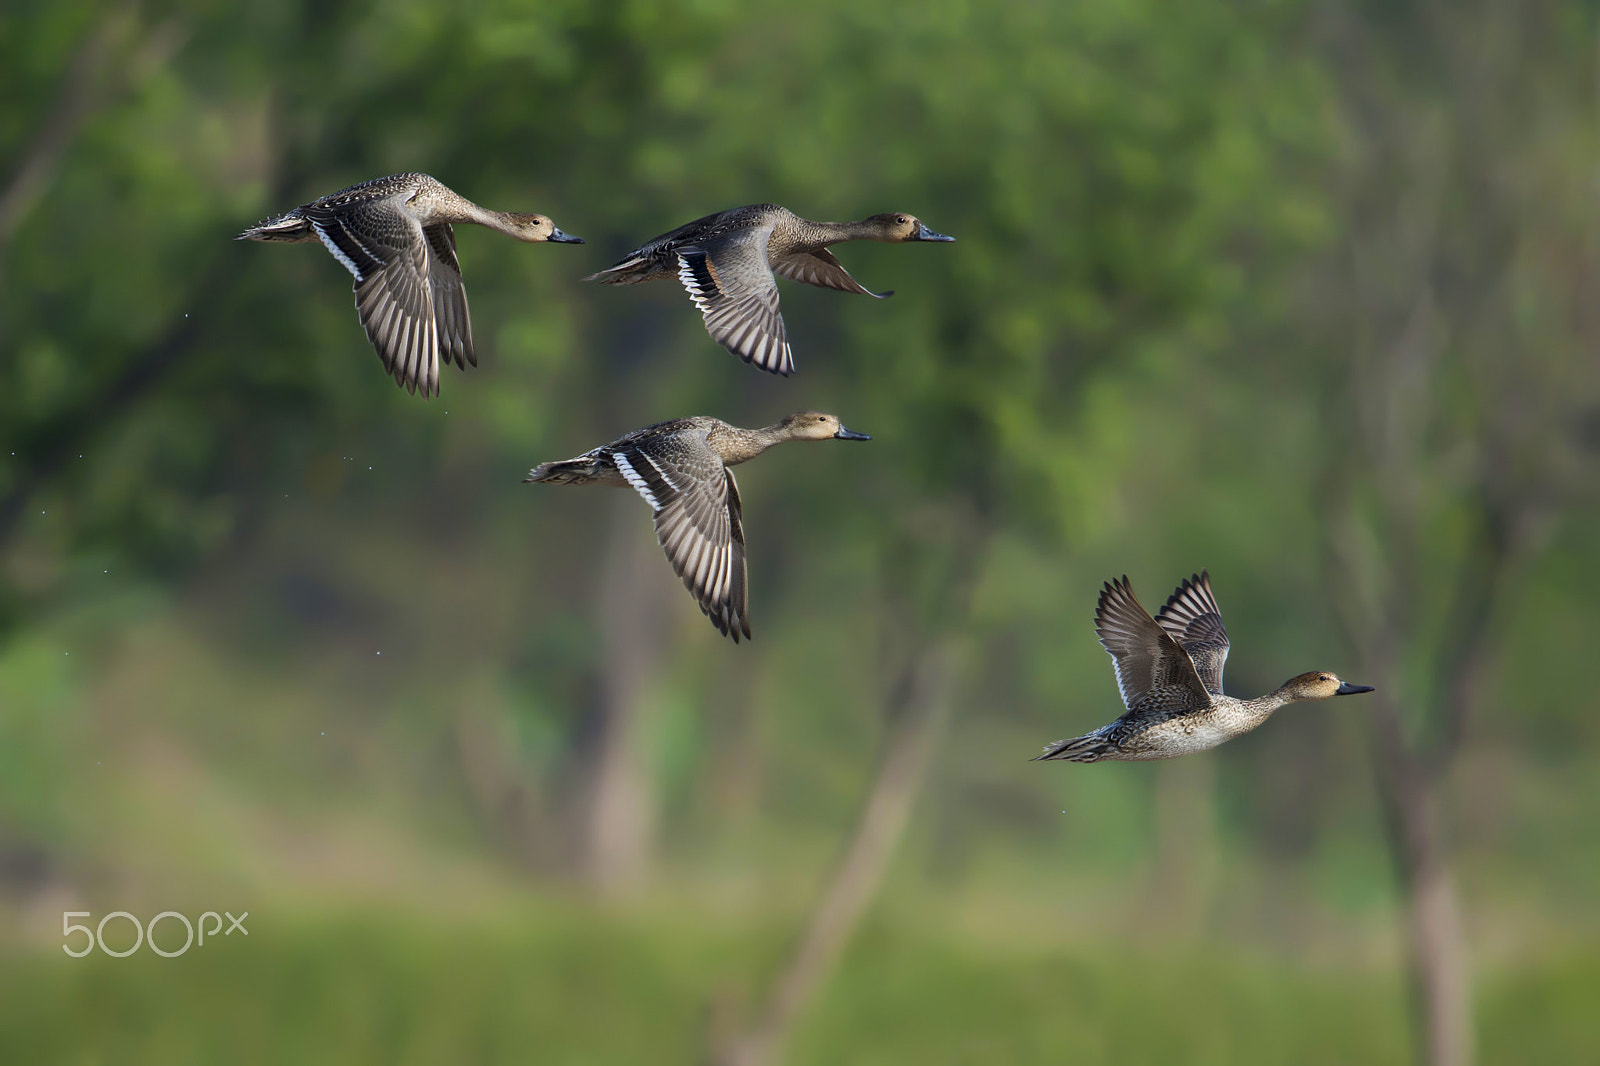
[
  {"x": 1169, "y": 669},
  {"x": 394, "y": 235},
  {"x": 730, "y": 263},
  {"x": 681, "y": 469}
]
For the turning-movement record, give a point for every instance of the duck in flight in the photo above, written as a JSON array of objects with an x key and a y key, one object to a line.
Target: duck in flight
[
  {"x": 730, "y": 262},
  {"x": 394, "y": 235},
  {"x": 1169, "y": 669},
  {"x": 680, "y": 467}
]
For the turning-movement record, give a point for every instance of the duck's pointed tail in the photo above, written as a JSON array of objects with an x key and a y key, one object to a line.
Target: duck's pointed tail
[
  {"x": 1091, "y": 747},
  {"x": 631, "y": 271},
  {"x": 565, "y": 471},
  {"x": 290, "y": 227}
]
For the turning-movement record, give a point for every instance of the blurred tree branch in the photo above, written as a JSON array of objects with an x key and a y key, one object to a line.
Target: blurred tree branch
[
  {"x": 95, "y": 77},
  {"x": 1447, "y": 409},
  {"x": 921, "y": 699},
  {"x": 1410, "y": 768},
  {"x": 921, "y": 709},
  {"x": 50, "y": 446},
  {"x": 87, "y": 86}
]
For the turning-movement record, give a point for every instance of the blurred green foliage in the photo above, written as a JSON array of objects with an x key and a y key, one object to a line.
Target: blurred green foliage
[
  {"x": 277, "y": 634},
  {"x": 613, "y": 992},
  {"x": 381, "y": 989}
]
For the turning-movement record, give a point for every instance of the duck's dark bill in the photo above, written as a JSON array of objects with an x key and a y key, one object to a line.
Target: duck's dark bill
[
  {"x": 926, "y": 234},
  {"x": 850, "y": 434},
  {"x": 1347, "y": 689},
  {"x": 565, "y": 238}
]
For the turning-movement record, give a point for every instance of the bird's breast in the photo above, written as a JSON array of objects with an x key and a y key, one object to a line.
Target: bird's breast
[{"x": 1195, "y": 732}]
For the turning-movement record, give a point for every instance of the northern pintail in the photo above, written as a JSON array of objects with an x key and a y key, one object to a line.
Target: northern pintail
[
  {"x": 394, "y": 235},
  {"x": 728, "y": 260},
  {"x": 681, "y": 469},
  {"x": 1169, "y": 669}
]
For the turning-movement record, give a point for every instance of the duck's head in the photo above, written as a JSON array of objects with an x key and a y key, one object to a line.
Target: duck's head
[
  {"x": 1320, "y": 685},
  {"x": 533, "y": 228},
  {"x": 898, "y": 226},
  {"x": 815, "y": 425}
]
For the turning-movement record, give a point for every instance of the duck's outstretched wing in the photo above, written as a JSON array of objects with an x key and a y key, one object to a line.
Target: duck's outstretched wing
[
  {"x": 696, "y": 503},
  {"x": 392, "y": 261},
  {"x": 1192, "y": 618},
  {"x": 820, "y": 268},
  {"x": 1154, "y": 673},
  {"x": 450, "y": 315},
  {"x": 732, "y": 284}
]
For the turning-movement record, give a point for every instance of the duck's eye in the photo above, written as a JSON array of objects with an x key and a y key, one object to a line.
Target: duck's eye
[{"x": 902, "y": 220}]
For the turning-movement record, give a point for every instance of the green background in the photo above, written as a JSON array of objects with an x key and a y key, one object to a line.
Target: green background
[{"x": 1304, "y": 293}]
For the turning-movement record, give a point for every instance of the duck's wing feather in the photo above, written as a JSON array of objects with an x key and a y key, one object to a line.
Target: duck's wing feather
[
  {"x": 658, "y": 257},
  {"x": 737, "y": 614},
  {"x": 732, "y": 284},
  {"x": 392, "y": 261},
  {"x": 696, "y": 504},
  {"x": 1192, "y": 618},
  {"x": 1154, "y": 673},
  {"x": 450, "y": 313},
  {"x": 820, "y": 268}
]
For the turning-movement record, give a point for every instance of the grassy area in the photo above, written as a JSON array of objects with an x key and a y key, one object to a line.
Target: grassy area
[{"x": 573, "y": 986}]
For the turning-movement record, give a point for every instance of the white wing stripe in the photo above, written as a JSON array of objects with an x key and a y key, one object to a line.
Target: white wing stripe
[
  {"x": 635, "y": 480},
  {"x": 663, "y": 474},
  {"x": 690, "y": 282},
  {"x": 327, "y": 241}
]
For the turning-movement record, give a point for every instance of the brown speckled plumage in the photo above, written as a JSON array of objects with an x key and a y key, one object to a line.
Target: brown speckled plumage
[
  {"x": 1169, "y": 671},
  {"x": 730, "y": 261},
  {"x": 393, "y": 234},
  {"x": 680, "y": 467}
]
